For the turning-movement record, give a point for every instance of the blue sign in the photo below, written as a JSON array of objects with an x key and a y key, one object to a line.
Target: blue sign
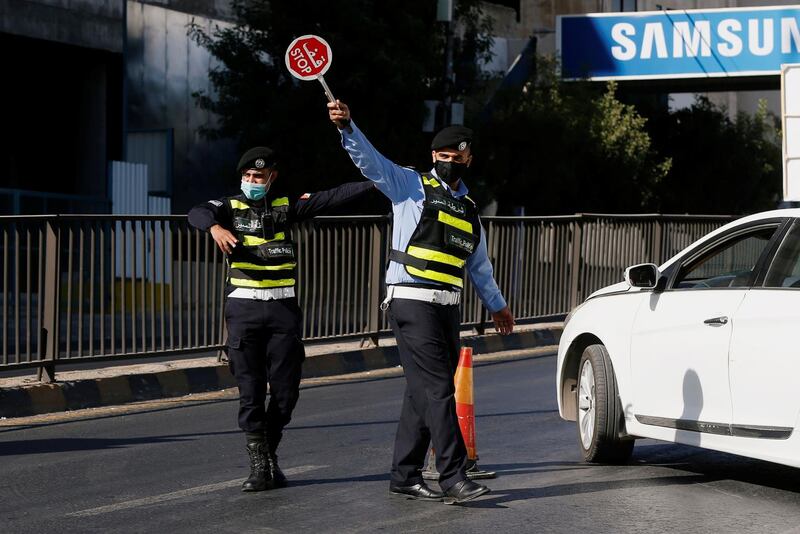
[{"x": 679, "y": 43}]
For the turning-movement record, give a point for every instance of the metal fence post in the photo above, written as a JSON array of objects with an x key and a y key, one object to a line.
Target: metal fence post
[
  {"x": 222, "y": 356},
  {"x": 658, "y": 239},
  {"x": 483, "y": 315},
  {"x": 377, "y": 246},
  {"x": 48, "y": 340},
  {"x": 575, "y": 263}
]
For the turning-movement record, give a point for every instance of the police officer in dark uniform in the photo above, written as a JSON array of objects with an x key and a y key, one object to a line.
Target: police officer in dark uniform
[
  {"x": 264, "y": 321},
  {"x": 437, "y": 236}
]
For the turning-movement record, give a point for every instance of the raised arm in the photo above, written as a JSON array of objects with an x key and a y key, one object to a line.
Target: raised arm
[
  {"x": 396, "y": 182},
  {"x": 313, "y": 204},
  {"x": 481, "y": 273}
]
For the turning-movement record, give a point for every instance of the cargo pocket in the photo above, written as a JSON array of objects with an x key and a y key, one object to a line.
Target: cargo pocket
[
  {"x": 301, "y": 348},
  {"x": 235, "y": 343}
]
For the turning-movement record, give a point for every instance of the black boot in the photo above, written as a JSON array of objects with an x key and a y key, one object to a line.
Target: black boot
[
  {"x": 278, "y": 478},
  {"x": 260, "y": 474}
]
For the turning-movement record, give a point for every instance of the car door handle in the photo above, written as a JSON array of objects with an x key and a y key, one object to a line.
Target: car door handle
[{"x": 716, "y": 320}]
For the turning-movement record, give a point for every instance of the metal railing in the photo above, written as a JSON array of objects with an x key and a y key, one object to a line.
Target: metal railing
[{"x": 93, "y": 287}]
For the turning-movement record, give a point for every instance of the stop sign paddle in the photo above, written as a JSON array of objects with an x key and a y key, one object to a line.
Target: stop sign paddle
[{"x": 308, "y": 58}]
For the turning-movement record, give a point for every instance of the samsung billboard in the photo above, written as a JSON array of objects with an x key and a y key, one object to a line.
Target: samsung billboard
[{"x": 700, "y": 43}]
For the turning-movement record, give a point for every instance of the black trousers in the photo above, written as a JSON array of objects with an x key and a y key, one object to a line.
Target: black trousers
[
  {"x": 265, "y": 347},
  {"x": 428, "y": 341}
]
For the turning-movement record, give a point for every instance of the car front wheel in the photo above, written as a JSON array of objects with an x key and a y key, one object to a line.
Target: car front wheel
[{"x": 600, "y": 419}]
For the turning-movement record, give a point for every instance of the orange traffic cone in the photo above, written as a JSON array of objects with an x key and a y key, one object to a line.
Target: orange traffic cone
[{"x": 465, "y": 410}]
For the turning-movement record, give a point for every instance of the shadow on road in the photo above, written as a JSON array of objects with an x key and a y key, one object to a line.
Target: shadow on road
[
  {"x": 538, "y": 467},
  {"x": 343, "y": 480},
  {"x": 507, "y": 414},
  {"x": 502, "y": 469},
  {"x": 126, "y": 410},
  {"x": 340, "y": 425},
  {"x": 364, "y": 380},
  {"x": 718, "y": 466},
  {"x": 499, "y": 497},
  {"x": 39, "y": 446},
  {"x": 693, "y": 466},
  {"x": 394, "y": 421}
]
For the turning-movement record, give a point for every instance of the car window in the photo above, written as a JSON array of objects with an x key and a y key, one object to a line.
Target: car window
[
  {"x": 729, "y": 264},
  {"x": 785, "y": 268}
]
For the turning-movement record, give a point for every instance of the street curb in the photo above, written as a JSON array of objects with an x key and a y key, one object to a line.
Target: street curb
[{"x": 108, "y": 391}]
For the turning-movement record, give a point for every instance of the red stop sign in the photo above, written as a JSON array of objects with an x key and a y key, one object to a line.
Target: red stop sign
[{"x": 308, "y": 57}]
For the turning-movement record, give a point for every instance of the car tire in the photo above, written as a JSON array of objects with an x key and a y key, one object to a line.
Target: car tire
[{"x": 600, "y": 420}]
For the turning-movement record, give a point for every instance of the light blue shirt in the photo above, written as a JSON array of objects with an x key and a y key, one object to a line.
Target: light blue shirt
[{"x": 404, "y": 188}]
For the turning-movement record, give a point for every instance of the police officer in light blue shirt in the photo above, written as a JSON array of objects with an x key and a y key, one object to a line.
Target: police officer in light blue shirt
[{"x": 437, "y": 235}]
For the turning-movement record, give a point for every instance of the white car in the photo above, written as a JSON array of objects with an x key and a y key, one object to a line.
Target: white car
[{"x": 703, "y": 350}]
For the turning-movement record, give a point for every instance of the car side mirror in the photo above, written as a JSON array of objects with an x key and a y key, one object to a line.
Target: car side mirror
[{"x": 644, "y": 275}]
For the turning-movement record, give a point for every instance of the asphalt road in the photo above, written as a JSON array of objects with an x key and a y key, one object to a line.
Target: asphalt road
[{"x": 177, "y": 467}]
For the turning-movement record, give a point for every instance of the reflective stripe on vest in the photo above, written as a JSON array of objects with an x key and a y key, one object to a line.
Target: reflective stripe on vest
[
  {"x": 244, "y": 282},
  {"x": 255, "y": 267},
  {"x": 251, "y": 240},
  {"x": 434, "y": 255},
  {"x": 446, "y": 235},
  {"x": 461, "y": 224},
  {"x": 239, "y": 205},
  {"x": 430, "y": 181},
  {"x": 261, "y": 261}
]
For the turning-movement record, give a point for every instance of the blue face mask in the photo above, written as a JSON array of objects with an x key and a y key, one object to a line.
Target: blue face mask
[{"x": 254, "y": 191}]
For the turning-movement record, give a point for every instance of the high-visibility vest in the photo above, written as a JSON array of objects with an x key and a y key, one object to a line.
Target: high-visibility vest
[
  {"x": 265, "y": 255},
  {"x": 447, "y": 234}
]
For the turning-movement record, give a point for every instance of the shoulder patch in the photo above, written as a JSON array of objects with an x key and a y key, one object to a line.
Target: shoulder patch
[{"x": 217, "y": 203}]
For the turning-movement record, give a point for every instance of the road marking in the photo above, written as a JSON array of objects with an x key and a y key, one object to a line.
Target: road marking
[
  {"x": 709, "y": 486},
  {"x": 164, "y": 497}
]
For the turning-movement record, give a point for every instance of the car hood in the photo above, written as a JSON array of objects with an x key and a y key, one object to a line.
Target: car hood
[{"x": 621, "y": 287}]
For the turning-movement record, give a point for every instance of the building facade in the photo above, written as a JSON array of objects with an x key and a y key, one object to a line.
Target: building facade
[{"x": 87, "y": 83}]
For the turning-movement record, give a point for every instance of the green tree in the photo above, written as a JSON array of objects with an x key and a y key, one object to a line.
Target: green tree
[
  {"x": 387, "y": 60},
  {"x": 720, "y": 166},
  {"x": 564, "y": 147}
]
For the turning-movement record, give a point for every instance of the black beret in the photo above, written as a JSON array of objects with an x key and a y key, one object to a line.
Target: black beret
[
  {"x": 259, "y": 157},
  {"x": 458, "y": 137}
]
